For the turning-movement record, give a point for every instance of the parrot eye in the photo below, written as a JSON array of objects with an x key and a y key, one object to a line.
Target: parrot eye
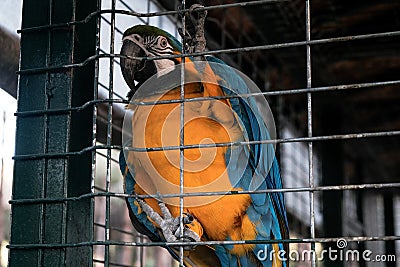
[{"x": 163, "y": 42}]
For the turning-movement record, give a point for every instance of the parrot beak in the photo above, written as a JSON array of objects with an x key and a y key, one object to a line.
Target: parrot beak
[{"x": 135, "y": 69}]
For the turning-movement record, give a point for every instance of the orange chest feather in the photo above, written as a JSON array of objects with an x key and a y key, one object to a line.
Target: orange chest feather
[{"x": 205, "y": 122}]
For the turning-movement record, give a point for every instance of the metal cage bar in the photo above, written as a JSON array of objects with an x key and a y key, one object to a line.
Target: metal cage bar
[
  {"x": 310, "y": 126},
  {"x": 67, "y": 59}
]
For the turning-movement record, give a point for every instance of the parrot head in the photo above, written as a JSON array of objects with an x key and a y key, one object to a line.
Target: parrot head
[{"x": 147, "y": 41}]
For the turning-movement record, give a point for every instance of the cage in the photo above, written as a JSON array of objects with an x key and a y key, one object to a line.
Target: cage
[{"x": 329, "y": 70}]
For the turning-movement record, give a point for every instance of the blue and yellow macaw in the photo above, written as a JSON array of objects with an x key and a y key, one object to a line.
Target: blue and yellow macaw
[{"x": 231, "y": 217}]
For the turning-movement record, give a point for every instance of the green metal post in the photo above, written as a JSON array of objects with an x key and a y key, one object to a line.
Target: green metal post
[{"x": 59, "y": 176}]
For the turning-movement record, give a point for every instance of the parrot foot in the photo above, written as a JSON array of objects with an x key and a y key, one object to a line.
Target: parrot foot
[
  {"x": 194, "y": 32},
  {"x": 188, "y": 234},
  {"x": 170, "y": 225}
]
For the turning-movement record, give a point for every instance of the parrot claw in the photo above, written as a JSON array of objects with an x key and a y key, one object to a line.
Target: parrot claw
[
  {"x": 188, "y": 234},
  {"x": 193, "y": 34},
  {"x": 170, "y": 225},
  {"x": 200, "y": 14}
]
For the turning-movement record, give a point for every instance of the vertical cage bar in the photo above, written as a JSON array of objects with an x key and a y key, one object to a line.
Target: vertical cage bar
[
  {"x": 148, "y": 11},
  {"x": 182, "y": 136},
  {"x": 95, "y": 96},
  {"x": 109, "y": 136},
  {"x": 309, "y": 129},
  {"x": 53, "y": 177},
  {"x": 94, "y": 122},
  {"x": 141, "y": 238}
]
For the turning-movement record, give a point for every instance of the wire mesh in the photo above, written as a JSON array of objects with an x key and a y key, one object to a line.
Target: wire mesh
[{"x": 116, "y": 243}]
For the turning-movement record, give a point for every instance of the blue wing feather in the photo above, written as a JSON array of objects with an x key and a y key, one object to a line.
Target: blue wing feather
[
  {"x": 139, "y": 219},
  {"x": 267, "y": 211}
]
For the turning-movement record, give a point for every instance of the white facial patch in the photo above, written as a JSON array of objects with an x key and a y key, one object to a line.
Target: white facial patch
[{"x": 164, "y": 66}]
